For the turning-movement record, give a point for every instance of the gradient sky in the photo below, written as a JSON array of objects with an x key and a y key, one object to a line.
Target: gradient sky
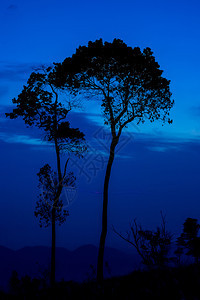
[{"x": 157, "y": 167}]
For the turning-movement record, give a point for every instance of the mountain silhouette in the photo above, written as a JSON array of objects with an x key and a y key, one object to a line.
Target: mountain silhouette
[{"x": 78, "y": 265}]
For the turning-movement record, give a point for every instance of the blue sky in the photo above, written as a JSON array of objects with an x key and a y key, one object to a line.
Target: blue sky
[{"x": 160, "y": 165}]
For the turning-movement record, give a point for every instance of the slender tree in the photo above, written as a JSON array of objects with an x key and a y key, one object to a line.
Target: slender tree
[
  {"x": 132, "y": 89},
  {"x": 38, "y": 104}
]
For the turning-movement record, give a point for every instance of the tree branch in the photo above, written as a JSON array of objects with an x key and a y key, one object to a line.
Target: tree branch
[
  {"x": 136, "y": 239},
  {"x": 65, "y": 169}
]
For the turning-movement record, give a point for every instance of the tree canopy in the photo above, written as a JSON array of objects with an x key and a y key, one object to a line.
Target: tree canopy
[
  {"x": 38, "y": 104},
  {"x": 128, "y": 80}
]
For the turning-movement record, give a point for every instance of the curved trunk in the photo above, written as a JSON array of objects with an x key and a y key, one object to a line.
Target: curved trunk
[{"x": 105, "y": 212}]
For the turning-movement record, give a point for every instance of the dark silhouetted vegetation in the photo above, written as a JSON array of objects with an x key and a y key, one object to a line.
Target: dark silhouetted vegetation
[
  {"x": 39, "y": 105},
  {"x": 172, "y": 283},
  {"x": 152, "y": 246},
  {"x": 131, "y": 87},
  {"x": 48, "y": 185},
  {"x": 166, "y": 281},
  {"x": 189, "y": 241}
]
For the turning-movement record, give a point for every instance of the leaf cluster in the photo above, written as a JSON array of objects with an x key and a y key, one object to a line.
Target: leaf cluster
[
  {"x": 189, "y": 241},
  {"x": 49, "y": 197},
  {"x": 38, "y": 104}
]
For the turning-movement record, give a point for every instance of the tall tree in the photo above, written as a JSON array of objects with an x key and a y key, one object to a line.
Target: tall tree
[
  {"x": 132, "y": 89},
  {"x": 39, "y": 105}
]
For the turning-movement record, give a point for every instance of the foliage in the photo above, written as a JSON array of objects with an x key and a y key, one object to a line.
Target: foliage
[
  {"x": 128, "y": 81},
  {"x": 172, "y": 283},
  {"x": 189, "y": 241},
  {"x": 49, "y": 196},
  {"x": 25, "y": 287},
  {"x": 38, "y": 105}
]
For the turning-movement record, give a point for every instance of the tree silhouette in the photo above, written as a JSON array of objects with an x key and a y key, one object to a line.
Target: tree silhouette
[
  {"x": 189, "y": 242},
  {"x": 39, "y": 105},
  {"x": 153, "y": 246},
  {"x": 48, "y": 185},
  {"x": 130, "y": 84}
]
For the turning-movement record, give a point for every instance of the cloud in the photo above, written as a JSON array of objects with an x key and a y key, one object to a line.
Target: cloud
[
  {"x": 158, "y": 148},
  {"x": 98, "y": 137},
  {"x": 15, "y": 131},
  {"x": 15, "y": 71},
  {"x": 132, "y": 144},
  {"x": 21, "y": 139},
  {"x": 164, "y": 148}
]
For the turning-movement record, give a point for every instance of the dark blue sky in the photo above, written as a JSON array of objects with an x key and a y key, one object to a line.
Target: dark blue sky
[{"x": 156, "y": 169}]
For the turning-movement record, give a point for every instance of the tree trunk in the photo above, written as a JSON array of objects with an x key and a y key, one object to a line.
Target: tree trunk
[
  {"x": 53, "y": 236},
  {"x": 53, "y": 249},
  {"x": 105, "y": 213}
]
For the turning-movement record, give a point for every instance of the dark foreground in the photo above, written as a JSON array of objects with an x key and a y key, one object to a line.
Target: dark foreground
[{"x": 175, "y": 283}]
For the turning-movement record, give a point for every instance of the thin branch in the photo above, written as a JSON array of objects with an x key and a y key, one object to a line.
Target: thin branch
[
  {"x": 65, "y": 169},
  {"x": 122, "y": 112},
  {"x": 124, "y": 238},
  {"x": 136, "y": 240},
  {"x": 126, "y": 102}
]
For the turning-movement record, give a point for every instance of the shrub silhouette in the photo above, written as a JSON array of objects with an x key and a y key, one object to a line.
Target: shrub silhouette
[
  {"x": 189, "y": 241},
  {"x": 152, "y": 246}
]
